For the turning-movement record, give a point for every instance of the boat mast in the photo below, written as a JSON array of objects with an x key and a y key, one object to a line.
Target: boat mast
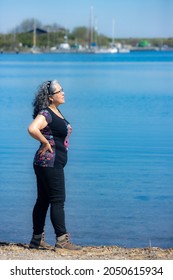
[
  {"x": 91, "y": 27},
  {"x": 113, "y": 32},
  {"x": 34, "y": 35}
]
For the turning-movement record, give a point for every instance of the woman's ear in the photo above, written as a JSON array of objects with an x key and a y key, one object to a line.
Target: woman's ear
[{"x": 50, "y": 99}]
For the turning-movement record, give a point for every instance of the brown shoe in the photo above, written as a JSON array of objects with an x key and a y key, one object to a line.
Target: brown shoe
[
  {"x": 37, "y": 242},
  {"x": 63, "y": 242}
]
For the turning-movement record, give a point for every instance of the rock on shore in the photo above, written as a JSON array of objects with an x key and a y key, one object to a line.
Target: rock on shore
[{"x": 19, "y": 251}]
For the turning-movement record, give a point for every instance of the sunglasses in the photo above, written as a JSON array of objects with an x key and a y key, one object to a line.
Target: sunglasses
[{"x": 59, "y": 91}]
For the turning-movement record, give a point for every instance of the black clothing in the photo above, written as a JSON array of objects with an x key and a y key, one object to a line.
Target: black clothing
[{"x": 50, "y": 174}]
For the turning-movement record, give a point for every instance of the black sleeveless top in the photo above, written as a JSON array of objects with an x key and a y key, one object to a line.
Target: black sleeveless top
[{"x": 57, "y": 132}]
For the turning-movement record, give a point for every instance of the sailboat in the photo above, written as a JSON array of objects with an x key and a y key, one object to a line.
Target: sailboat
[
  {"x": 35, "y": 30},
  {"x": 106, "y": 50},
  {"x": 112, "y": 48},
  {"x": 123, "y": 50},
  {"x": 34, "y": 49}
]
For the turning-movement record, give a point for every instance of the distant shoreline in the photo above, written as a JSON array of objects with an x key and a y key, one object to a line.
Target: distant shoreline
[{"x": 134, "y": 49}]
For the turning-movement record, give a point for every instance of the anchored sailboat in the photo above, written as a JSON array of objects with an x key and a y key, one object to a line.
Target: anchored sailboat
[
  {"x": 35, "y": 31},
  {"x": 112, "y": 48}
]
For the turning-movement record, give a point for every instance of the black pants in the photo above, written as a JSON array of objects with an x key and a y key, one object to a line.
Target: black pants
[{"x": 50, "y": 191}]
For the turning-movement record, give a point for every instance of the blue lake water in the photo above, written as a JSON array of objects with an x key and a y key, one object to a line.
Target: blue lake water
[{"x": 119, "y": 176}]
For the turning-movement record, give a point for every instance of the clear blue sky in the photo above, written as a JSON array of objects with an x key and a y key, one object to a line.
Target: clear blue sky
[{"x": 133, "y": 18}]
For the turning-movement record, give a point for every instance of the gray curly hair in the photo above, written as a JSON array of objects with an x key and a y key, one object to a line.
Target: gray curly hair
[{"x": 41, "y": 99}]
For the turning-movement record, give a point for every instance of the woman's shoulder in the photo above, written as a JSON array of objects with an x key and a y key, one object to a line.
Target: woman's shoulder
[{"x": 46, "y": 112}]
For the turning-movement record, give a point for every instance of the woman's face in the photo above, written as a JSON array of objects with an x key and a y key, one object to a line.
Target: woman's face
[{"x": 58, "y": 96}]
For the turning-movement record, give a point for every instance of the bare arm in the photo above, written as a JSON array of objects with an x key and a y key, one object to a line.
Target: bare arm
[{"x": 34, "y": 130}]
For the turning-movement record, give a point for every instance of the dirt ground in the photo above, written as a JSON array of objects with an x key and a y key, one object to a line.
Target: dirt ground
[{"x": 18, "y": 251}]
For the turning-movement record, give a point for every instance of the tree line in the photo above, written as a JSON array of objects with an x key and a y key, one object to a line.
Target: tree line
[{"x": 21, "y": 37}]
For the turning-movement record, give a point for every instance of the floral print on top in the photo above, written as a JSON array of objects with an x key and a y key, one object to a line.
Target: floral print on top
[
  {"x": 69, "y": 131},
  {"x": 57, "y": 132}
]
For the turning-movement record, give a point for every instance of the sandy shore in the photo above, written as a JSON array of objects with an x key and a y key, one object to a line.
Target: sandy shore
[{"x": 18, "y": 251}]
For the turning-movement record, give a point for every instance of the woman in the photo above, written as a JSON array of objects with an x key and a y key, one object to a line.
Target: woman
[{"x": 52, "y": 130}]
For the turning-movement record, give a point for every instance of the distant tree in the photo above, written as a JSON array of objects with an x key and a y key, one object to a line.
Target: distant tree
[
  {"x": 27, "y": 25},
  {"x": 168, "y": 42},
  {"x": 53, "y": 27},
  {"x": 80, "y": 33},
  {"x": 102, "y": 40}
]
